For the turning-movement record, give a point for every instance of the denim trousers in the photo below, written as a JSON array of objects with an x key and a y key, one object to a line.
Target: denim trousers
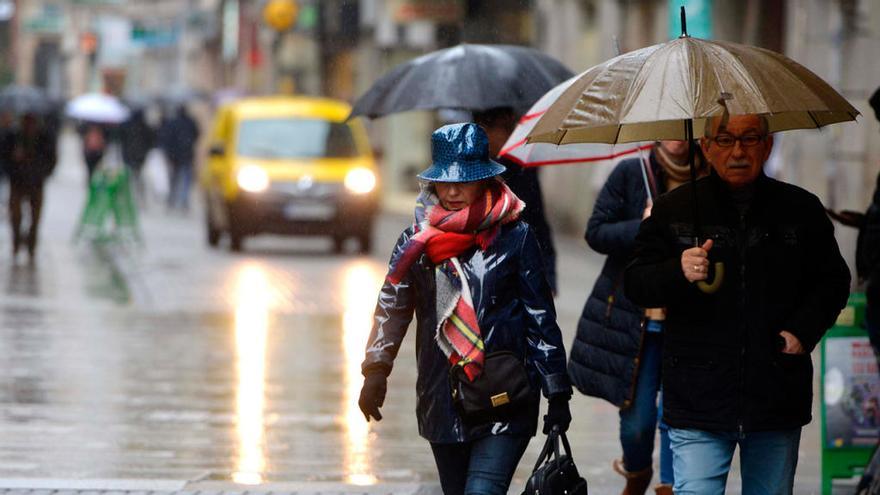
[
  {"x": 181, "y": 182},
  {"x": 701, "y": 460},
  {"x": 484, "y": 466},
  {"x": 639, "y": 422}
]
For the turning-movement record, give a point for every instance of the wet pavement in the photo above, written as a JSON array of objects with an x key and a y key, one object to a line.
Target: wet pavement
[{"x": 185, "y": 367}]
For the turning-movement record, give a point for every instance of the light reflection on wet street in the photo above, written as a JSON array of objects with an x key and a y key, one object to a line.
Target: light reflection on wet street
[{"x": 241, "y": 368}]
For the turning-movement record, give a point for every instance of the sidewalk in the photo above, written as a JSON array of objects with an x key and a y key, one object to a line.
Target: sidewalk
[{"x": 170, "y": 487}]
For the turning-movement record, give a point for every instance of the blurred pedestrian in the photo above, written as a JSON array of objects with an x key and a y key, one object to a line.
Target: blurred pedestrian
[
  {"x": 94, "y": 143},
  {"x": 177, "y": 138},
  {"x": 499, "y": 123},
  {"x": 34, "y": 154},
  {"x": 616, "y": 353},
  {"x": 138, "y": 138},
  {"x": 736, "y": 357},
  {"x": 7, "y": 131},
  {"x": 868, "y": 253},
  {"x": 473, "y": 274}
]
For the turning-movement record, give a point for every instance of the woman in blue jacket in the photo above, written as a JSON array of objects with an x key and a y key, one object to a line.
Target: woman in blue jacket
[
  {"x": 472, "y": 273},
  {"x": 616, "y": 352}
]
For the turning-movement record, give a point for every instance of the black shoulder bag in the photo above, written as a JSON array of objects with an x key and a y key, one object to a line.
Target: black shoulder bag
[
  {"x": 555, "y": 474},
  {"x": 502, "y": 387}
]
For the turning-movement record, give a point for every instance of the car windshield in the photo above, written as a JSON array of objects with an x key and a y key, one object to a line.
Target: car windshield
[{"x": 295, "y": 138}]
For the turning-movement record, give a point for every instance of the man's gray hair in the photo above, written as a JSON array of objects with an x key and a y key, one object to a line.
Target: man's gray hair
[{"x": 707, "y": 131}]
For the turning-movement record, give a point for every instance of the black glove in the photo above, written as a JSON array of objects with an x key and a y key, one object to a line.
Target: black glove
[
  {"x": 373, "y": 395},
  {"x": 558, "y": 414}
]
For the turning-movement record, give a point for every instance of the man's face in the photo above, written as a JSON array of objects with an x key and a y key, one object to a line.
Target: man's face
[
  {"x": 740, "y": 164},
  {"x": 457, "y": 195}
]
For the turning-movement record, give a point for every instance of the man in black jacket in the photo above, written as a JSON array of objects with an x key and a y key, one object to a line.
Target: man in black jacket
[{"x": 736, "y": 363}]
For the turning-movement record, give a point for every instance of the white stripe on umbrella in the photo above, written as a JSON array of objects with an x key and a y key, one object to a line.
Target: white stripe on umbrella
[{"x": 517, "y": 150}]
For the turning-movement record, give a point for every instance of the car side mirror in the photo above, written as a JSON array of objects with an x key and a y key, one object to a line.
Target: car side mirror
[{"x": 216, "y": 150}]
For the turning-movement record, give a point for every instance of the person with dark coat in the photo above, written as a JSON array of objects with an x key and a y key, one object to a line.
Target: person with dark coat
[
  {"x": 177, "y": 138},
  {"x": 33, "y": 159},
  {"x": 470, "y": 256},
  {"x": 868, "y": 253},
  {"x": 868, "y": 266},
  {"x": 736, "y": 356},
  {"x": 499, "y": 123},
  {"x": 137, "y": 139},
  {"x": 7, "y": 131},
  {"x": 616, "y": 351}
]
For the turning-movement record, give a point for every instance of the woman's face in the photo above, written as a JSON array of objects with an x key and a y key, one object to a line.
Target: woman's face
[{"x": 457, "y": 195}]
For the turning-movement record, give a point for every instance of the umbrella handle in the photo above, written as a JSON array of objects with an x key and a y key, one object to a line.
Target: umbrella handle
[{"x": 712, "y": 287}]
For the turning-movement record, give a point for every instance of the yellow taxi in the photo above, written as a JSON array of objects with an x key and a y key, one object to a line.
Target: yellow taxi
[{"x": 289, "y": 165}]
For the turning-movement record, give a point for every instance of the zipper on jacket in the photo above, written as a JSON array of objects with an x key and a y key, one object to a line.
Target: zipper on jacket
[{"x": 742, "y": 241}]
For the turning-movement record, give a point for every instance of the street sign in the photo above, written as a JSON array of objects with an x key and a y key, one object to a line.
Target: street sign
[{"x": 50, "y": 19}]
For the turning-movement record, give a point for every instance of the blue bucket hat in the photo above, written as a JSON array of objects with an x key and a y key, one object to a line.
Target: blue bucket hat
[{"x": 460, "y": 153}]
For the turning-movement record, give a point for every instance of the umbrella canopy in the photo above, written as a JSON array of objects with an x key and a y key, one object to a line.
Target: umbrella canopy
[
  {"x": 470, "y": 77},
  {"x": 648, "y": 94},
  {"x": 97, "y": 107},
  {"x": 526, "y": 154},
  {"x": 24, "y": 99}
]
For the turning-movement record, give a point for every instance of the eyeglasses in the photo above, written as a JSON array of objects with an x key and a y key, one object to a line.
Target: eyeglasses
[{"x": 747, "y": 141}]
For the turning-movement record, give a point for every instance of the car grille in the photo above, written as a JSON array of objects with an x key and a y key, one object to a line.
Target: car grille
[{"x": 306, "y": 190}]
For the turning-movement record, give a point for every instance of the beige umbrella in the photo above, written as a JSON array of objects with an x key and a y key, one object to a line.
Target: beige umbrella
[
  {"x": 670, "y": 90},
  {"x": 651, "y": 93}
]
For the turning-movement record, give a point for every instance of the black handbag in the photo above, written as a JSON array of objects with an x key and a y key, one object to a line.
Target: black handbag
[
  {"x": 502, "y": 388},
  {"x": 555, "y": 474}
]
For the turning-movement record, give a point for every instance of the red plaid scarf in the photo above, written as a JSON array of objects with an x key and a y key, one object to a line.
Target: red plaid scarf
[{"x": 444, "y": 235}]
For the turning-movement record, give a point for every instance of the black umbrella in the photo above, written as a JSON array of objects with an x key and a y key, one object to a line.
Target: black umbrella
[
  {"x": 24, "y": 99},
  {"x": 469, "y": 77}
]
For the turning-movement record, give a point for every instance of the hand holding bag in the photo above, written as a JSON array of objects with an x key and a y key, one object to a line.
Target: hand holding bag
[{"x": 555, "y": 474}]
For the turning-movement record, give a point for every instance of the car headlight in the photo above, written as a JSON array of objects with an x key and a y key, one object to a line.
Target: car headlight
[
  {"x": 360, "y": 180},
  {"x": 253, "y": 179}
]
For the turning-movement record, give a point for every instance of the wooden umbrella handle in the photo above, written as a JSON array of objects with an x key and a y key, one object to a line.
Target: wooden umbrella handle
[{"x": 712, "y": 287}]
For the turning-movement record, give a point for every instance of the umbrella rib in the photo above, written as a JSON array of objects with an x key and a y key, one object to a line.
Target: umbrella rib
[{"x": 813, "y": 118}]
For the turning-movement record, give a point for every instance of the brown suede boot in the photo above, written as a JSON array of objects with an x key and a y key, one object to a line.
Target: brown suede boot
[
  {"x": 636, "y": 482},
  {"x": 663, "y": 489}
]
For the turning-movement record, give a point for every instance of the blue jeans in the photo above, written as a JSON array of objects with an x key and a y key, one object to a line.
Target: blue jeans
[
  {"x": 181, "y": 180},
  {"x": 701, "y": 460},
  {"x": 483, "y": 466},
  {"x": 639, "y": 422}
]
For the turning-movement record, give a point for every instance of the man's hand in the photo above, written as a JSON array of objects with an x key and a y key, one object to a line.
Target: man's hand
[
  {"x": 695, "y": 262},
  {"x": 647, "y": 212},
  {"x": 792, "y": 343},
  {"x": 373, "y": 395}
]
